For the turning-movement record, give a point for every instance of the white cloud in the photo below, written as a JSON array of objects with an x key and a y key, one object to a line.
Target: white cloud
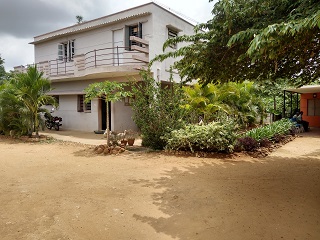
[{"x": 16, "y": 51}]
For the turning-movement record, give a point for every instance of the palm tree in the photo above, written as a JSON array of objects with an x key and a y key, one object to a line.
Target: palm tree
[
  {"x": 204, "y": 100},
  {"x": 244, "y": 101},
  {"x": 27, "y": 93}
]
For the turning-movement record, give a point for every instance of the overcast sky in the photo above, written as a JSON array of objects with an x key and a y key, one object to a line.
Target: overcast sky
[{"x": 21, "y": 20}]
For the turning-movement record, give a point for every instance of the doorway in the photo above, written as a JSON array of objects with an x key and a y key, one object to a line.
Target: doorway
[{"x": 104, "y": 114}]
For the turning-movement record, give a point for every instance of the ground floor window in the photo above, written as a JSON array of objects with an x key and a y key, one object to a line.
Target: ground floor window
[
  {"x": 313, "y": 107},
  {"x": 82, "y": 106}
]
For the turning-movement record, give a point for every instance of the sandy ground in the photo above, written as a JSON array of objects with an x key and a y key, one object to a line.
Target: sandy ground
[{"x": 61, "y": 190}]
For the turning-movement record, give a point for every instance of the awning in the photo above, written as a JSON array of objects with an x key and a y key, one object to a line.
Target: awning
[{"x": 305, "y": 89}]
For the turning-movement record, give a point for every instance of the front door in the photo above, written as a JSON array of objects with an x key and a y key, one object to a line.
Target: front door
[{"x": 104, "y": 114}]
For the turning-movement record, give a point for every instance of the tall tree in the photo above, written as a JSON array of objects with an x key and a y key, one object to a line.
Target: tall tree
[{"x": 253, "y": 39}]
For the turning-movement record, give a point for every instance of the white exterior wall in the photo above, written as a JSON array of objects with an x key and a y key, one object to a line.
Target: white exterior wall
[
  {"x": 88, "y": 41},
  {"x": 74, "y": 120},
  {"x": 160, "y": 20},
  {"x": 154, "y": 21},
  {"x": 121, "y": 117}
]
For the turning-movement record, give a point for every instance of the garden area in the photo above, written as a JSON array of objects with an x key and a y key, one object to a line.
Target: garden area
[{"x": 217, "y": 159}]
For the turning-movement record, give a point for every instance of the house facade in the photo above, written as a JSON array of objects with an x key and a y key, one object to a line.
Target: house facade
[
  {"x": 309, "y": 103},
  {"x": 114, "y": 48}
]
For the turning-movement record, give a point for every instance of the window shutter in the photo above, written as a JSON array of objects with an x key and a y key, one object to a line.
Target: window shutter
[
  {"x": 72, "y": 49},
  {"x": 127, "y": 38},
  {"x": 140, "y": 30},
  {"x": 60, "y": 52}
]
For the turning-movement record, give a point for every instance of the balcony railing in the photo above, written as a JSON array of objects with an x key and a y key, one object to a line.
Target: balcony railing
[{"x": 105, "y": 57}]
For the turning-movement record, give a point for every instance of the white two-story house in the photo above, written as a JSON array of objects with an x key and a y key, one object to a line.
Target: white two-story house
[{"x": 113, "y": 48}]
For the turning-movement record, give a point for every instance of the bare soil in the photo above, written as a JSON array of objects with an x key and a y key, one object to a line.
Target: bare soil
[{"x": 62, "y": 190}]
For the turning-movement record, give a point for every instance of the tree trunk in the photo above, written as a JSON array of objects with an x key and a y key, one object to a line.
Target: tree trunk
[{"x": 107, "y": 119}]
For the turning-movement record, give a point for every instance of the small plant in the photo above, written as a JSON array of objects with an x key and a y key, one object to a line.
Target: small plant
[
  {"x": 247, "y": 143},
  {"x": 264, "y": 142},
  {"x": 130, "y": 134},
  {"x": 281, "y": 127}
]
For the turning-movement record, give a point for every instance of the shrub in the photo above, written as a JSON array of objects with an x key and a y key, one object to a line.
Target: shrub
[
  {"x": 264, "y": 142},
  {"x": 247, "y": 143},
  {"x": 156, "y": 110},
  {"x": 214, "y": 137}
]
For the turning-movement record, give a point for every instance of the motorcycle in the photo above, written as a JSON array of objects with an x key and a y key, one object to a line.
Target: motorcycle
[{"x": 52, "y": 121}]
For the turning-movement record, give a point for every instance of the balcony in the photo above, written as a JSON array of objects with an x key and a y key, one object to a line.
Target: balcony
[{"x": 98, "y": 63}]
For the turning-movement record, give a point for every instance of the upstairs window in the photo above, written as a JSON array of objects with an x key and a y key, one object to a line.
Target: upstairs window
[
  {"x": 134, "y": 30},
  {"x": 82, "y": 106},
  {"x": 172, "y": 34},
  {"x": 66, "y": 51}
]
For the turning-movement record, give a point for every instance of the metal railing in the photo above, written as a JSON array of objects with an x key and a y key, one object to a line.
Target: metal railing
[
  {"x": 116, "y": 56},
  {"x": 61, "y": 67}
]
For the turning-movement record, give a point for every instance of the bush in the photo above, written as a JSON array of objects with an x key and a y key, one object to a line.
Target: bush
[
  {"x": 265, "y": 142},
  {"x": 247, "y": 143},
  {"x": 156, "y": 110},
  {"x": 214, "y": 137}
]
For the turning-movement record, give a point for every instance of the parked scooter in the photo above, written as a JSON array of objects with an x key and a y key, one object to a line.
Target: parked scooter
[{"x": 52, "y": 121}]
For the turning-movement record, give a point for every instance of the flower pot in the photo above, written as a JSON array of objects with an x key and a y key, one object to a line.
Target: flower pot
[
  {"x": 131, "y": 141},
  {"x": 124, "y": 142}
]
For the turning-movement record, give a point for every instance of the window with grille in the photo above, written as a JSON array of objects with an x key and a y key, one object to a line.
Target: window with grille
[
  {"x": 82, "y": 106},
  {"x": 172, "y": 34},
  {"x": 66, "y": 51},
  {"x": 313, "y": 107},
  {"x": 134, "y": 30}
]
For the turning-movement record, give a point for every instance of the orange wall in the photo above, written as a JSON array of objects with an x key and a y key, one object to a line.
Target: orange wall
[{"x": 314, "y": 121}]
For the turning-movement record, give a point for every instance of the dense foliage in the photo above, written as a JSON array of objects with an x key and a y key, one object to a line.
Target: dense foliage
[
  {"x": 254, "y": 40},
  {"x": 280, "y": 127},
  {"x": 21, "y": 101},
  {"x": 2, "y": 71},
  {"x": 156, "y": 109},
  {"x": 216, "y": 102},
  {"x": 224, "y": 137},
  {"x": 214, "y": 137}
]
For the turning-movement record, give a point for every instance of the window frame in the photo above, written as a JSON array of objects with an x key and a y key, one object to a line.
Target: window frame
[
  {"x": 82, "y": 106},
  {"x": 172, "y": 33},
  {"x": 129, "y": 32},
  {"x": 66, "y": 51}
]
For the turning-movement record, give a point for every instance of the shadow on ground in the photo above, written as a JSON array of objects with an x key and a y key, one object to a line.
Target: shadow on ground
[{"x": 277, "y": 198}]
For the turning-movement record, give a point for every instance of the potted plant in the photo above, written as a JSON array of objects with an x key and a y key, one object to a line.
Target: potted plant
[{"x": 131, "y": 136}]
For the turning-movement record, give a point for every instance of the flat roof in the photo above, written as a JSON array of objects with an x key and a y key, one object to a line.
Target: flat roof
[
  {"x": 305, "y": 89},
  {"x": 102, "y": 21}
]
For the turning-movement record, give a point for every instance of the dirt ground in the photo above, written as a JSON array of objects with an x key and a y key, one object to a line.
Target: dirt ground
[{"x": 60, "y": 190}]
